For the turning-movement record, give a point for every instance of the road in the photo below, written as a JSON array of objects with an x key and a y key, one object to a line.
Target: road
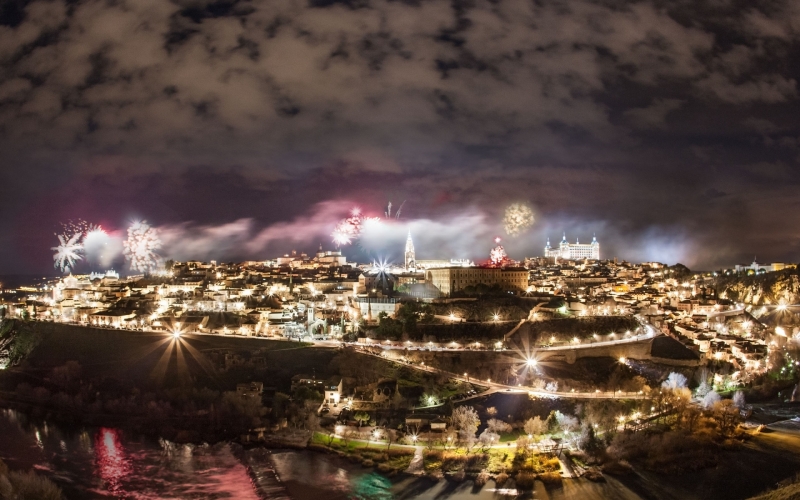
[{"x": 494, "y": 387}]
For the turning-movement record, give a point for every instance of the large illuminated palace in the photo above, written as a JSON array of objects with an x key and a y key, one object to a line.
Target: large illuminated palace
[{"x": 573, "y": 251}]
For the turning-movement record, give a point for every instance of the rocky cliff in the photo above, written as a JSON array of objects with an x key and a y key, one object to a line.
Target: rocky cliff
[{"x": 781, "y": 287}]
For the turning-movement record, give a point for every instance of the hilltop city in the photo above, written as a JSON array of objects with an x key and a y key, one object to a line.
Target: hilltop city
[{"x": 550, "y": 368}]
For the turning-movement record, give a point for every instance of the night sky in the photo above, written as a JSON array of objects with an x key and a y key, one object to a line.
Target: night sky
[{"x": 245, "y": 129}]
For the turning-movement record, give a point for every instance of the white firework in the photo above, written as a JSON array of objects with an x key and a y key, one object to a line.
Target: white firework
[
  {"x": 349, "y": 229},
  {"x": 498, "y": 256},
  {"x": 68, "y": 251},
  {"x": 518, "y": 218},
  {"x": 140, "y": 247}
]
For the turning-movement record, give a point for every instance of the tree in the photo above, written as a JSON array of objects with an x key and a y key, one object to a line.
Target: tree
[
  {"x": 241, "y": 413},
  {"x": 524, "y": 444},
  {"x": 674, "y": 381},
  {"x": 391, "y": 437},
  {"x": 588, "y": 441},
  {"x": 488, "y": 438},
  {"x": 491, "y": 411},
  {"x": 497, "y": 426},
  {"x": 348, "y": 435},
  {"x": 567, "y": 423},
  {"x": 711, "y": 399},
  {"x": 331, "y": 435},
  {"x": 466, "y": 421},
  {"x": 703, "y": 389},
  {"x": 361, "y": 417},
  {"x": 727, "y": 416},
  {"x": 535, "y": 426},
  {"x": 690, "y": 417},
  {"x": 738, "y": 399}
]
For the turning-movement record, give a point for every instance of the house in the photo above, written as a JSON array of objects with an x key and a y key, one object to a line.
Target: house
[{"x": 333, "y": 391}]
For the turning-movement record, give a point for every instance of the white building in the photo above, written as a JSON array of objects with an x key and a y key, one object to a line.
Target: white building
[
  {"x": 762, "y": 268},
  {"x": 573, "y": 251}
]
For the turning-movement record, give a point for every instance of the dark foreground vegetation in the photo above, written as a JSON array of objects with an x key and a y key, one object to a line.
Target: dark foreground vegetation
[{"x": 18, "y": 485}]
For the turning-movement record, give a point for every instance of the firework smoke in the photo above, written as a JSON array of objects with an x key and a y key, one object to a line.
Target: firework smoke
[
  {"x": 518, "y": 217},
  {"x": 101, "y": 248},
  {"x": 67, "y": 252},
  {"x": 140, "y": 247}
]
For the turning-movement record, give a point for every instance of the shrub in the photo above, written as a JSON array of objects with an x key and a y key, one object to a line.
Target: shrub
[
  {"x": 525, "y": 480},
  {"x": 594, "y": 474},
  {"x": 385, "y": 468},
  {"x": 368, "y": 463},
  {"x": 501, "y": 479},
  {"x": 550, "y": 478},
  {"x": 482, "y": 478},
  {"x": 30, "y": 485}
]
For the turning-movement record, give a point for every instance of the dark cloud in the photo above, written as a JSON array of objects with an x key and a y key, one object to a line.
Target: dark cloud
[{"x": 649, "y": 120}]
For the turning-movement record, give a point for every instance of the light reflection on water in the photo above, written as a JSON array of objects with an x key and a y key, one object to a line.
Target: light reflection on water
[
  {"x": 100, "y": 463},
  {"x": 107, "y": 463}
]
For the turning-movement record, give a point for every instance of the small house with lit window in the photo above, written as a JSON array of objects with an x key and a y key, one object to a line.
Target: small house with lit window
[{"x": 333, "y": 391}]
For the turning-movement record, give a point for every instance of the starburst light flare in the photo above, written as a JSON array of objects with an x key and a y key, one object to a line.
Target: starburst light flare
[
  {"x": 67, "y": 252},
  {"x": 141, "y": 245}
]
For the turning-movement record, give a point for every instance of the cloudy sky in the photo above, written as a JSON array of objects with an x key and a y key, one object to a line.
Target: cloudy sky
[{"x": 246, "y": 128}]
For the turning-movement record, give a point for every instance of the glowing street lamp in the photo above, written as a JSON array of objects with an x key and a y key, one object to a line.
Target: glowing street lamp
[{"x": 531, "y": 362}]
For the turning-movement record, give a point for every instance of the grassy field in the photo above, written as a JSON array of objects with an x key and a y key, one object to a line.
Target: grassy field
[
  {"x": 395, "y": 459},
  {"x": 145, "y": 358}
]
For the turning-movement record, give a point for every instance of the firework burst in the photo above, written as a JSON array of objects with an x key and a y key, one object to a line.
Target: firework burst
[
  {"x": 498, "y": 256},
  {"x": 518, "y": 217},
  {"x": 140, "y": 247},
  {"x": 349, "y": 229},
  {"x": 68, "y": 251},
  {"x": 78, "y": 226},
  {"x": 397, "y": 213}
]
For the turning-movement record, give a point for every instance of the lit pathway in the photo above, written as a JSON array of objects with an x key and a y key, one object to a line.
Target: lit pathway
[
  {"x": 651, "y": 334},
  {"x": 416, "y": 465}
]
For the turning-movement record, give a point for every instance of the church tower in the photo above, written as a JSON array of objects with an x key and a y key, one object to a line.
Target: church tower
[
  {"x": 564, "y": 248},
  {"x": 411, "y": 261}
]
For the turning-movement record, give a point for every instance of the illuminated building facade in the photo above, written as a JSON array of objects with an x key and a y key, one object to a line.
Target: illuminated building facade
[
  {"x": 573, "y": 251},
  {"x": 453, "y": 279}
]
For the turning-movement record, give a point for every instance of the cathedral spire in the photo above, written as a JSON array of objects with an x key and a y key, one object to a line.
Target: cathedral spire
[{"x": 411, "y": 261}]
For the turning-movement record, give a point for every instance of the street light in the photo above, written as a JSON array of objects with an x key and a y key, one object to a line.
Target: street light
[{"x": 531, "y": 362}]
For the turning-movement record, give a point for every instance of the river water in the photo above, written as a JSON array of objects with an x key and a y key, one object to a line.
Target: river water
[{"x": 99, "y": 463}]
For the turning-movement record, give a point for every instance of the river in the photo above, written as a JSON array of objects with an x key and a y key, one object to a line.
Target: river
[{"x": 99, "y": 463}]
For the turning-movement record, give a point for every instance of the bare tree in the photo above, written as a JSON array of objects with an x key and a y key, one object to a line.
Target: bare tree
[
  {"x": 497, "y": 426},
  {"x": 466, "y": 422},
  {"x": 487, "y": 439},
  {"x": 535, "y": 426},
  {"x": 391, "y": 437},
  {"x": 674, "y": 381}
]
